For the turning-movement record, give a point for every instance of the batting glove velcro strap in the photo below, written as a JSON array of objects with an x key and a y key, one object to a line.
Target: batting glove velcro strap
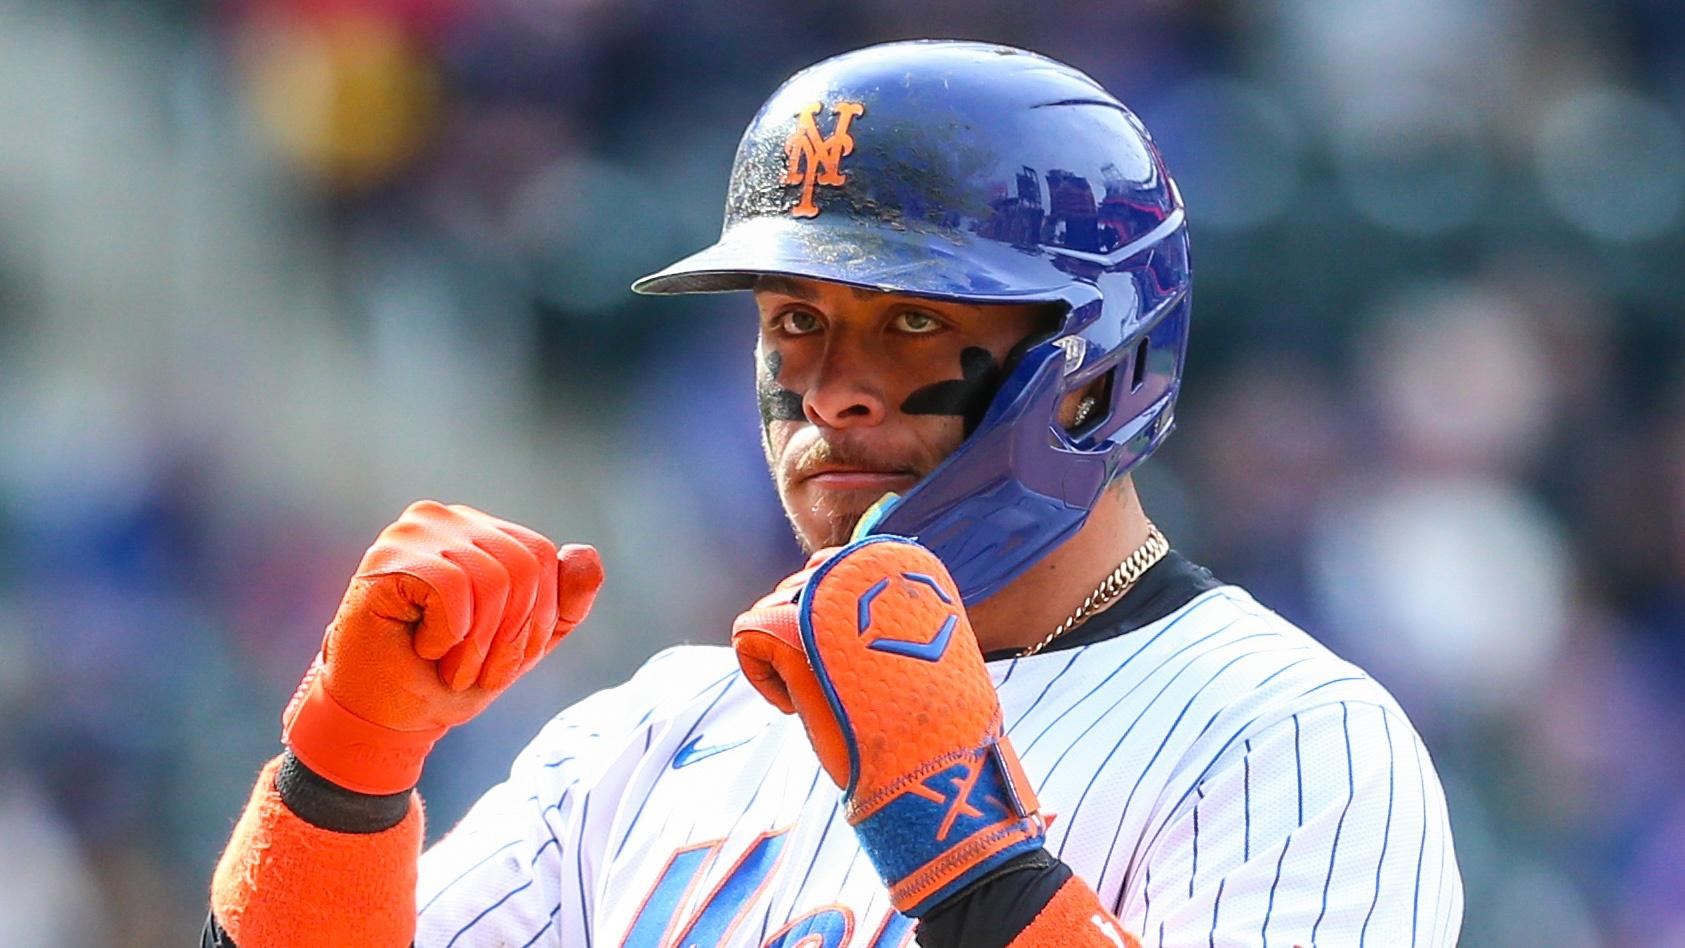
[
  {"x": 876, "y": 654},
  {"x": 349, "y": 750},
  {"x": 937, "y": 832}
]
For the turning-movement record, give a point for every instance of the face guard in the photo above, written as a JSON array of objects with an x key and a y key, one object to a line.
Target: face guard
[{"x": 985, "y": 174}]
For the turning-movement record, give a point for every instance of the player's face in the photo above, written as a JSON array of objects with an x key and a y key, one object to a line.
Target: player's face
[{"x": 862, "y": 393}]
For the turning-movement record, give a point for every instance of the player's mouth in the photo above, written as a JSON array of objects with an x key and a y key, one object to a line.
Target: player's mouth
[
  {"x": 841, "y": 466},
  {"x": 851, "y": 478}
]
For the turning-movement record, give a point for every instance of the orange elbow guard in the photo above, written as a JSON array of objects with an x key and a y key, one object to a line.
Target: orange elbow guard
[
  {"x": 283, "y": 881},
  {"x": 1074, "y": 918}
]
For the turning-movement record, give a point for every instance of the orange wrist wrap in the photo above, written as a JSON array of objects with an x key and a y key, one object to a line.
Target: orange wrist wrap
[
  {"x": 348, "y": 750},
  {"x": 1074, "y": 918},
  {"x": 284, "y": 882}
]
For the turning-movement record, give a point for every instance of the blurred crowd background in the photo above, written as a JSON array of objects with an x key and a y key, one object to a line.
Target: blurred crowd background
[{"x": 271, "y": 269}]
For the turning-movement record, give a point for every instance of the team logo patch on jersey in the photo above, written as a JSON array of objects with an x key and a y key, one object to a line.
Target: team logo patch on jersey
[
  {"x": 911, "y": 585},
  {"x": 815, "y": 158}
]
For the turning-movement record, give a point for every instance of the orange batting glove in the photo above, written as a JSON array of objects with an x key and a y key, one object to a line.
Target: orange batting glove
[
  {"x": 872, "y": 648},
  {"x": 448, "y": 608}
]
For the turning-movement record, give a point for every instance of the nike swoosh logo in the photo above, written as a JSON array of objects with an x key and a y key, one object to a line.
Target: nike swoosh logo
[{"x": 690, "y": 753}]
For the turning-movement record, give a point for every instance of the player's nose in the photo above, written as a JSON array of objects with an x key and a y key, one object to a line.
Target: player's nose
[{"x": 847, "y": 389}]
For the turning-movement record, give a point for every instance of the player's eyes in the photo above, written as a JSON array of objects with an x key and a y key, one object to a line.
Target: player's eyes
[
  {"x": 915, "y": 321},
  {"x": 797, "y": 322}
]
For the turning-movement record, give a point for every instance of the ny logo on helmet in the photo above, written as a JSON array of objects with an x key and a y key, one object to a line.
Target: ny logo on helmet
[{"x": 815, "y": 159}]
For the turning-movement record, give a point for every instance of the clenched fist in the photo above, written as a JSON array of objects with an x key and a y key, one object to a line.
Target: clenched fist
[
  {"x": 871, "y": 646},
  {"x": 448, "y": 608}
]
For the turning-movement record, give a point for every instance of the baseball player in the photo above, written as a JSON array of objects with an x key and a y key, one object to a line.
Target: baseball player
[{"x": 995, "y": 708}]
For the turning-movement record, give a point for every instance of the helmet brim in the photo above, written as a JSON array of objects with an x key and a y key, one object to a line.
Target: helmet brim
[{"x": 937, "y": 263}]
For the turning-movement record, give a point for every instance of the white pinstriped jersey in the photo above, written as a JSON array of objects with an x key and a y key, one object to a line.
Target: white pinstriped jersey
[{"x": 1217, "y": 776}]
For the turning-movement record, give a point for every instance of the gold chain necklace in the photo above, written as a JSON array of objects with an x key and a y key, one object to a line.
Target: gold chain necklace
[{"x": 1112, "y": 588}]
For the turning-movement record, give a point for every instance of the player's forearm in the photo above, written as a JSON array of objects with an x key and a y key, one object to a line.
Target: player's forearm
[
  {"x": 1035, "y": 902},
  {"x": 312, "y": 863}
]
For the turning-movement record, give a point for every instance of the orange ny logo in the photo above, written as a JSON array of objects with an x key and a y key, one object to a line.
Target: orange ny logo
[{"x": 815, "y": 159}]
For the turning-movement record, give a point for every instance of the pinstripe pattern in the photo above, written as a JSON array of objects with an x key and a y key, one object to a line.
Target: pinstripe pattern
[{"x": 1218, "y": 777}]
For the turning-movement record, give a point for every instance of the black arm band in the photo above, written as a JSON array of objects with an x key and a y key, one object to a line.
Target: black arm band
[
  {"x": 321, "y": 802},
  {"x": 991, "y": 912}
]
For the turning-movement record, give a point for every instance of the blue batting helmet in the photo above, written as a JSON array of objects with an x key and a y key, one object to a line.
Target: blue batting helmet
[{"x": 981, "y": 173}]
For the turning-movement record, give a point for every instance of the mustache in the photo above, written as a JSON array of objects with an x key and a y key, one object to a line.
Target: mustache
[{"x": 826, "y": 455}]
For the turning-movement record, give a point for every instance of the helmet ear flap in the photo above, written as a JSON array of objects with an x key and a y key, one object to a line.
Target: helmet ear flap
[
  {"x": 1138, "y": 367},
  {"x": 1123, "y": 380},
  {"x": 1109, "y": 392},
  {"x": 1097, "y": 405},
  {"x": 1050, "y": 324}
]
